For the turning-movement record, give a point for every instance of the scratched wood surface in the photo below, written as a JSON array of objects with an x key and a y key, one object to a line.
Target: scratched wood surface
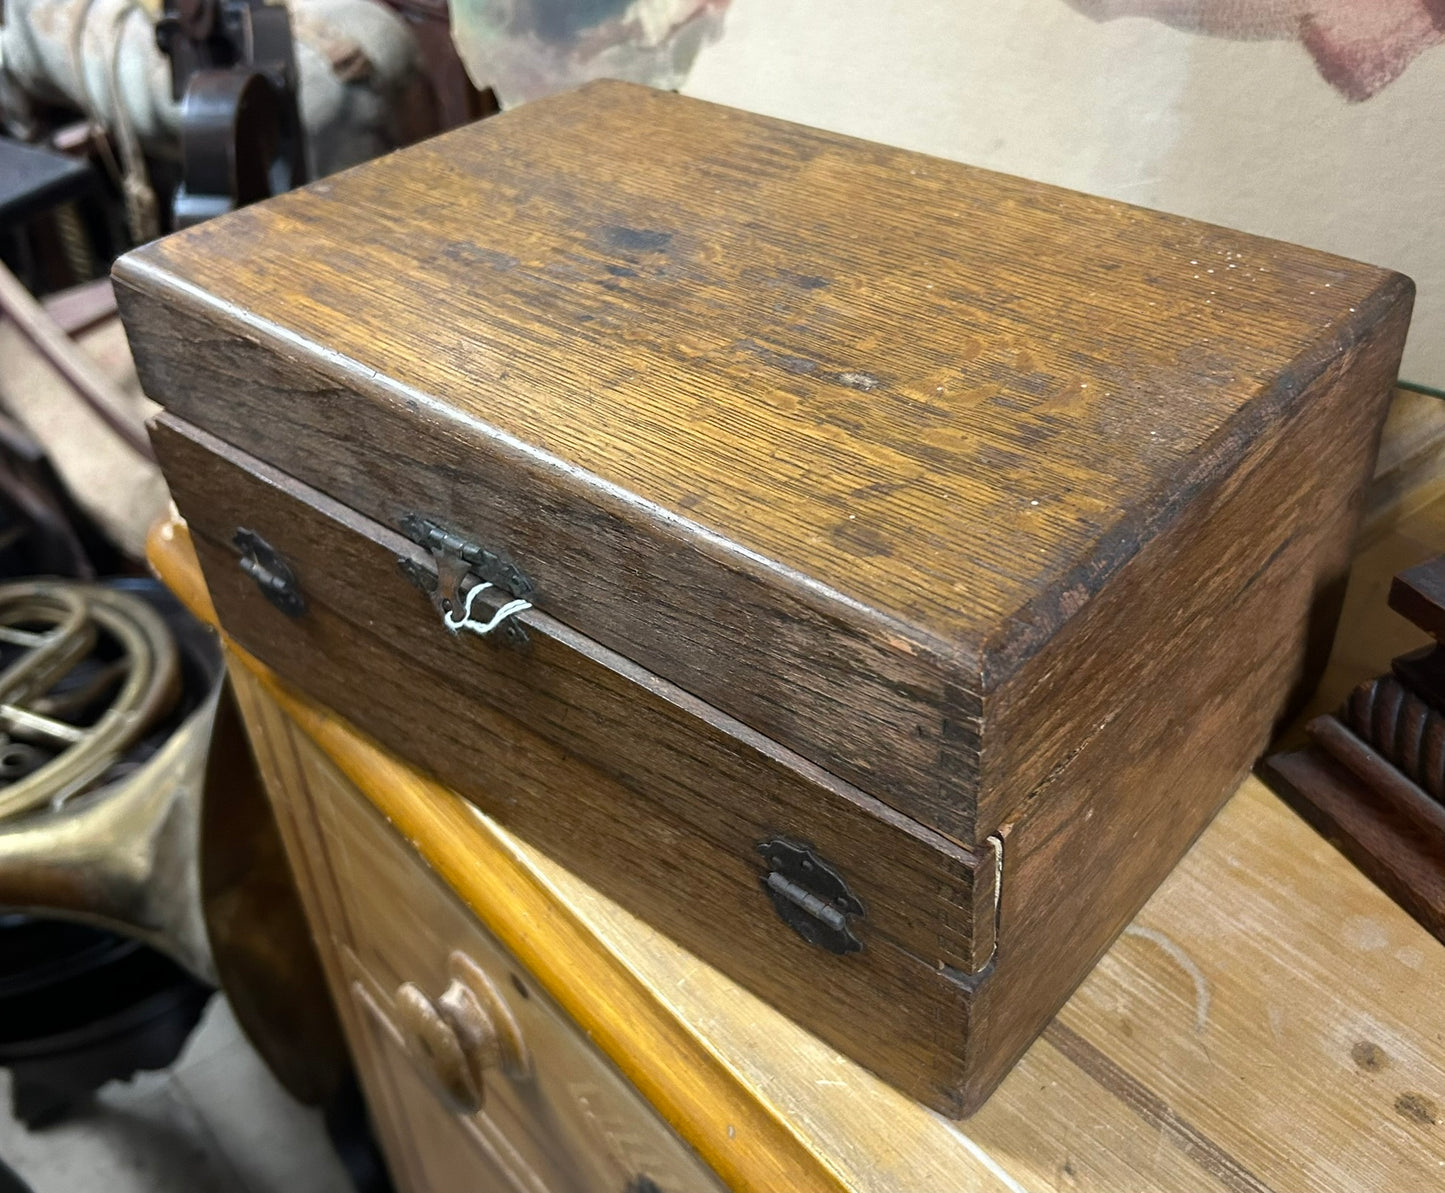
[
  {"x": 835, "y": 436},
  {"x": 1269, "y": 1021}
]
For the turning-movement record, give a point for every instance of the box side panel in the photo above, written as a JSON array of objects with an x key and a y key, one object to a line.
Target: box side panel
[
  {"x": 1248, "y": 621},
  {"x": 734, "y": 788},
  {"x": 1179, "y": 588}
]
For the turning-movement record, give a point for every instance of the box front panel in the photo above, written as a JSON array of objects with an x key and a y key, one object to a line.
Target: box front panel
[{"x": 627, "y": 785}]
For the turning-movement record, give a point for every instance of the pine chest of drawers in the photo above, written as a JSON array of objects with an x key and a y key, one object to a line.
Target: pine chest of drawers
[{"x": 872, "y": 571}]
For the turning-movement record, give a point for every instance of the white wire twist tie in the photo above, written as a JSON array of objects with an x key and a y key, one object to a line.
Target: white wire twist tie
[{"x": 465, "y": 622}]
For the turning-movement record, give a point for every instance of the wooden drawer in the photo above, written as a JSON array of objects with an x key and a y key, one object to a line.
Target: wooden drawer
[
  {"x": 554, "y": 1115},
  {"x": 430, "y": 1149},
  {"x": 657, "y": 799}
]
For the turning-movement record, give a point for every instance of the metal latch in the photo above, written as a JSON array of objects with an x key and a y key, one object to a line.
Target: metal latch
[
  {"x": 465, "y": 572},
  {"x": 810, "y": 896}
]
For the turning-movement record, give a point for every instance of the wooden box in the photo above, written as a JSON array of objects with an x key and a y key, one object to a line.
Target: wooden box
[{"x": 893, "y": 564}]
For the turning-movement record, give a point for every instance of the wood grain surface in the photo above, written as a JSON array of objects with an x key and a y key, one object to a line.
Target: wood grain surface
[
  {"x": 1388, "y": 839},
  {"x": 1222, "y": 651},
  {"x": 1235, "y": 650},
  {"x": 558, "y": 1118},
  {"x": 667, "y": 814},
  {"x": 745, "y": 1142},
  {"x": 730, "y": 788},
  {"x": 1247, "y": 582},
  {"x": 834, "y": 436}
]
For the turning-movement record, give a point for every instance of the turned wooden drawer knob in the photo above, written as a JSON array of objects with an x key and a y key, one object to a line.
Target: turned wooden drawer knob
[{"x": 455, "y": 1038}]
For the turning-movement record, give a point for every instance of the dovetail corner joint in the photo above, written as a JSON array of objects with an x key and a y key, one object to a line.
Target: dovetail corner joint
[{"x": 810, "y": 896}]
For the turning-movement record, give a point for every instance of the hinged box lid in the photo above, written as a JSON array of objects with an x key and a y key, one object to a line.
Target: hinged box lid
[{"x": 835, "y": 436}]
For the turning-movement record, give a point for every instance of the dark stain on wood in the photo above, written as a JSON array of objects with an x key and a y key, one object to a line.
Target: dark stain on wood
[
  {"x": 1417, "y": 1108},
  {"x": 636, "y": 240},
  {"x": 1369, "y": 1056},
  {"x": 466, "y": 254},
  {"x": 807, "y": 367}
]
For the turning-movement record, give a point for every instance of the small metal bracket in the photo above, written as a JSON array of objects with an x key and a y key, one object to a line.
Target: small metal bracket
[
  {"x": 453, "y": 550},
  {"x": 461, "y": 565},
  {"x": 273, "y": 575},
  {"x": 809, "y": 895}
]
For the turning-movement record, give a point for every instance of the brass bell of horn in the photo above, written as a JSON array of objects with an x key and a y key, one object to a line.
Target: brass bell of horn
[
  {"x": 94, "y": 825},
  {"x": 129, "y": 799}
]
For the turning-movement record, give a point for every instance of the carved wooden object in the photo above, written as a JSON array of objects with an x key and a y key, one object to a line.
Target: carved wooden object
[{"x": 1373, "y": 781}]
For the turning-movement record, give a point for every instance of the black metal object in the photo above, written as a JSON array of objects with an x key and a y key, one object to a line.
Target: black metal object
[
  {"x": 53, "y": 225},
  {"x": 489, "y": 565},
  {"x": 34, "y": 180},
  {"x": 233, "y": 68},
  {"x": 273, "y": 575},
  {"x": 79, "y": 1007},
  {"x": 809, "y": 895}
]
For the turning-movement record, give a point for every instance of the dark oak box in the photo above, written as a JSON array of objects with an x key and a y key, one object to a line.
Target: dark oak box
[{"x": 893, "y": 564}]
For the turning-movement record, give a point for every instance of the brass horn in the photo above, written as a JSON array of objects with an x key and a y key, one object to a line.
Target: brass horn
[
  {"x": 94, "y": 829},
  {"x": 87, "y": 832}
]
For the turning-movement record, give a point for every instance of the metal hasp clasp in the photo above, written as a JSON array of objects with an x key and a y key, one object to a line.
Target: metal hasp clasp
[
  {"x": 464, "y": 570},
  {"x": 273, "y": 575},
  {"x": 810, "y": 895}
]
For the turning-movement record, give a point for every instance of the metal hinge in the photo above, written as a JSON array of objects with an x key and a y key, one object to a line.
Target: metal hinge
[
  {"x": 810, "y": 896},
  {"x": 268, "y": 568},
  {"x": 453, "y": 550}
]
